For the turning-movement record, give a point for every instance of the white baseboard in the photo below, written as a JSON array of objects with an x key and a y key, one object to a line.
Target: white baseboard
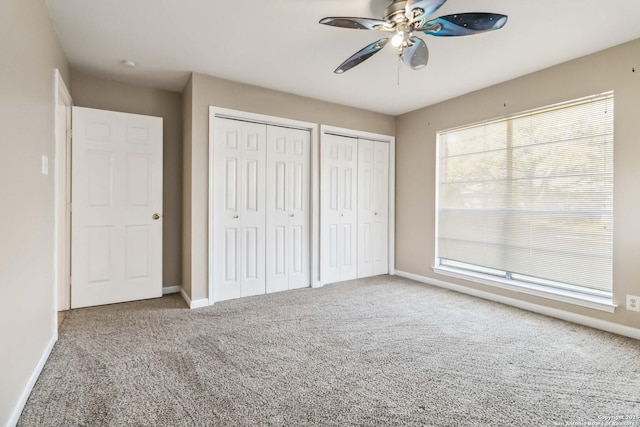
[
  {"x": 580, "y": 319},
  {"x": 171, "y": 290},
  {"x": 204, "y": 302},
  {"x": 17, "y": 411}
]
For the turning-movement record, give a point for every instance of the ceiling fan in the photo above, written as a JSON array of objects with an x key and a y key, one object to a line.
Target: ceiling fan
[{"x": 404, "y": 17}]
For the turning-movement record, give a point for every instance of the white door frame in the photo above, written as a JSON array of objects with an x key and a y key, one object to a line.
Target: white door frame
[
  {"x": 391, "y": 140},
  {"x": 62, "y": 239},
  {"x": 314, "y": 238}
]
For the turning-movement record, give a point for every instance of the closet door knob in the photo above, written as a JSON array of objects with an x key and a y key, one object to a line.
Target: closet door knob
[
  {"x": 291, "y": 215},
  {"x": 155, "y": 216},
  {"x": 235, "y": 216}
]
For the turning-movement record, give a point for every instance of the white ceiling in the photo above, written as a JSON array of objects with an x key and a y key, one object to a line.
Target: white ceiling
[{"x": 279, "y": 44}]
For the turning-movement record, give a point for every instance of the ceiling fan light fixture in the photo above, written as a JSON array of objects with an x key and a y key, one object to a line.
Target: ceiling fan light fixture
[
  {"x": 397, "y": 39},
  {"x": 401, "y": 37}
]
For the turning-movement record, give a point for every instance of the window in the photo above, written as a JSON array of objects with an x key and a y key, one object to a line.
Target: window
[{"x": 527, "y": 201}]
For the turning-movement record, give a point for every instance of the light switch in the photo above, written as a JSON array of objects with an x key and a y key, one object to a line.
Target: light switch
[{"x": 45, "y": 165}]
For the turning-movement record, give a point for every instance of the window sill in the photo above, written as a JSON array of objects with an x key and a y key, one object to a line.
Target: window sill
[{"x": 576, "y": 298}]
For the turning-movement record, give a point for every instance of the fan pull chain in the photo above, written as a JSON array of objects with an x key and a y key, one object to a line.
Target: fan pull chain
[{"x": 398, "y": 73}]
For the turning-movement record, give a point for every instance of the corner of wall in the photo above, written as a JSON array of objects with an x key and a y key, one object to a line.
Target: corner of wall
[{"x": 187, "y": 131}]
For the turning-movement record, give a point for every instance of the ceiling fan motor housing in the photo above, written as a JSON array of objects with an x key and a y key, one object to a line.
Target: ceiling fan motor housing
[{"x": 395, "y": 12}]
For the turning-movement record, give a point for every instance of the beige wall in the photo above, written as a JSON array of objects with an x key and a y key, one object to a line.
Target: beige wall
[
  {"x": 206, "y": 91},
  {"x": 29, "y": 53},
  {"x": 95, "y": 92},
  {"x": 415, "y": 163}
]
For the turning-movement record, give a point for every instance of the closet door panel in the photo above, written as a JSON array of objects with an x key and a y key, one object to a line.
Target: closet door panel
[
  {"x": 287, "y": 253},
  {"x": 277, "y": 225},
  {"x": 299, "y": 172},
  {"x": 339, "y": 158},
  {"x": 331, "y": 194},
  {"x": 380, "y": 238},
  {"x": 226, "y": 246},
  {"x": 373, "y": 207},
  {"x": 366, "y": 226},
  {"x": 253, "y": 212},
  {"x": 349, "y": 215},
  {"x": 239, "y": 209}
]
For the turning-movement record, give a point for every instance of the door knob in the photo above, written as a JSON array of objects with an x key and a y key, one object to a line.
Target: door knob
[
  {"x": 235, "y": 216},
  {"x": 291, "y": 215},
  {"x": 155, "y": 216}
]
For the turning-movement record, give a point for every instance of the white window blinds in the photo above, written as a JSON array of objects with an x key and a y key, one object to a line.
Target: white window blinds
[{"x": 530, "y": 197}]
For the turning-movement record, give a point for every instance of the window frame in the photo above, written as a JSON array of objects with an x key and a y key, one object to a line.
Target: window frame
[{"x": 581, "y": 296}]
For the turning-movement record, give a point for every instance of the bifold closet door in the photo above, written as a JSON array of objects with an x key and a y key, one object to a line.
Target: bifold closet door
[
  {"x": 339, "y": 170},
  {"x": 373, "y": 207},
  {"x": 239, "y": 208},
  {"x": 287, "y": 233}
]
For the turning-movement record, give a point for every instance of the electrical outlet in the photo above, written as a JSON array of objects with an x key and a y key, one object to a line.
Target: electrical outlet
[{"x": 633, "y": 303}]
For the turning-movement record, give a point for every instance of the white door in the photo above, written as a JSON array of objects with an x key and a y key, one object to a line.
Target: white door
[
  {"x": 239, "y": 209},
  {"x": 116, "y": 207},
  {"x": 339, "y": 169},
  {"x": 287, "y": 225}
]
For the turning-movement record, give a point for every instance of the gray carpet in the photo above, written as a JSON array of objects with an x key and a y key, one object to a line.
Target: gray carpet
[{"x": 384, "y": 351}]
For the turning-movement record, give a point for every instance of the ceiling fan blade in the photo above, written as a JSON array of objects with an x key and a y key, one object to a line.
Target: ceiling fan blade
[
  {"x": 358, "y": 23},
  {"x": 416, "y": 55},
  {"x": 361, "y": 56},
  {"x": 428, "y": 8},
  {"x": 463, "y": 24}
]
